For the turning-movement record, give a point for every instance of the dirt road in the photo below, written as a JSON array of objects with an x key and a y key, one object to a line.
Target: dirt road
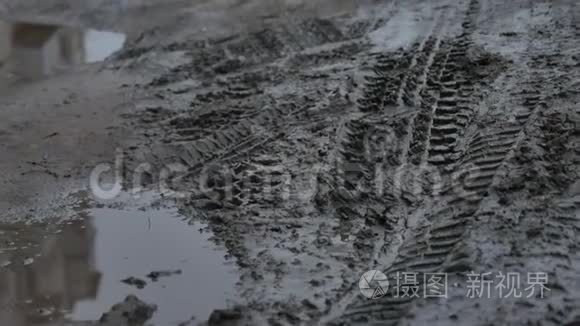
[{"x": 319, "y": 140}]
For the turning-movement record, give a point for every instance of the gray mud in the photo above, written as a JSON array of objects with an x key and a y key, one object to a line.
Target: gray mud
[{"x": 316, "y": 140}]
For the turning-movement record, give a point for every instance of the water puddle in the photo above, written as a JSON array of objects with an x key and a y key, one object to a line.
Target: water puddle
[
  {"x": 76, "y": 272},
  {"x": 30, "y": 50}
]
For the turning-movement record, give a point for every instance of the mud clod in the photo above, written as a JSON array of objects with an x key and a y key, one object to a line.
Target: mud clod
[
  {"x": 131, "y": 312},
  {"x": 138, "y": 283}
]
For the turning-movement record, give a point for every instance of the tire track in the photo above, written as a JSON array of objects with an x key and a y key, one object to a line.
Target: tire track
[
  {"x": 423, "y": 120},
  {"x": 411, "y": 94},
  {"x": 398, "y": 76},
  {"x": 362, "y": 141},
  {"x": 238, "y": 52},
  {"x": 231, "y": 186},
  {"x": 451, "y": 111},
  {"x": 419, "y": 62},
  {"x": 488, "y": 151},
  {"x": 187, "y": 128},
  {"x": 400, "y": 79},
  {"x": 237, "y": 138},
  {"x": 416, "y": 81},
  {"x": 436, "y": 244},
  {"x": 430, "y": 245},
  {"x": 380, "y": 89}
]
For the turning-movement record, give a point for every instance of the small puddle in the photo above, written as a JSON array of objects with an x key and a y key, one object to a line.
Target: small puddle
[
  {"x": 99, "y": 45},
  {"x": 30, "y": 50},
  {"x": 76, "y": 274}
]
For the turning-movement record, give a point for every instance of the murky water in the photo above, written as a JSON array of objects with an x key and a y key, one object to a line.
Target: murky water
[
  {"x": 30, "y": 50},
  {"x": 75, "y": 272}
]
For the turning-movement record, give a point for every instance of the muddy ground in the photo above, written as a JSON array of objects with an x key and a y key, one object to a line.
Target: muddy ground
[{"x": 321, "y": 139}]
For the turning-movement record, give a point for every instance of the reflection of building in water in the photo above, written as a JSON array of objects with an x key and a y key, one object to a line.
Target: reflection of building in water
[
  {"x": 64, "y": 273},
  {"x": 33, "y": 50}
]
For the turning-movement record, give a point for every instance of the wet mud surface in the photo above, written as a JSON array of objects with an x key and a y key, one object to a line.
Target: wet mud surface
[{"x": 311, "y": 142}]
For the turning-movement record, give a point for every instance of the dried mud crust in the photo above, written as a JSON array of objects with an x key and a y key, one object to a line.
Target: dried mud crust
[{"x": 485, "y": 104}]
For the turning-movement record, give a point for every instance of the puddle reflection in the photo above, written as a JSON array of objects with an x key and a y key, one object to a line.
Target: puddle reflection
[
  {"x": 76, "y": 274},
  {"x": 47, "y": 274},
  {"x": 30, "y": 50}
]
